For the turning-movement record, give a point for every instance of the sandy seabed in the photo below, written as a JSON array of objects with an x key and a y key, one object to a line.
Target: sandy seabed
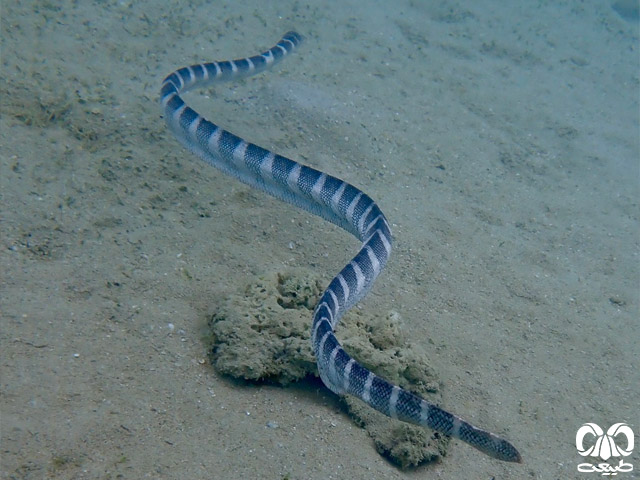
[{"x": 500, "y": 138}]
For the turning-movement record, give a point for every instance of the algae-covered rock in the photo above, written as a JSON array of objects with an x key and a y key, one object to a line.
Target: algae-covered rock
[{"x": 264, "y": 334}]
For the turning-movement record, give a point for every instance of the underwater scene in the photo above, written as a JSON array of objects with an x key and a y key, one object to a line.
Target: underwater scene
[{"x": 181, "y": 292}]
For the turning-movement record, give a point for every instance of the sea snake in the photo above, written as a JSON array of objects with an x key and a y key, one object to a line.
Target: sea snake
[{"x": 335, "y": 201}]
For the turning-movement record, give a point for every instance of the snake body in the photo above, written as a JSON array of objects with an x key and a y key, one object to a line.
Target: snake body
[{"x": 336, "y": 201}]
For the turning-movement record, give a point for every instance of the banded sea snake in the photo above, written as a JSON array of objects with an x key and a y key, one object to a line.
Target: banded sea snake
[{"x": 335, "y": 201}]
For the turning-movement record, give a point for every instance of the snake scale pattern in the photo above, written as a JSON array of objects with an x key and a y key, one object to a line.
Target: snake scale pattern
[{"x": 335, "y": 201}]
